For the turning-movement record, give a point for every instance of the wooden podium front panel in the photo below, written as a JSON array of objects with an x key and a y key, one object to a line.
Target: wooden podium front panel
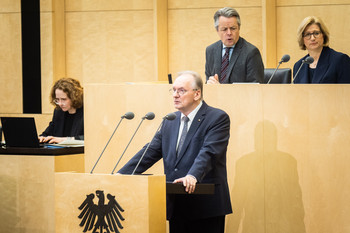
[
  {"x": 27, "y": 191},
  {"x": 141, "y": 197}
]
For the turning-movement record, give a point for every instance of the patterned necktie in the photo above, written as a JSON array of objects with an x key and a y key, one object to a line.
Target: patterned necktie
[
  {"x": 183, "y": 134},
  {"x": 224, "y": 65}
]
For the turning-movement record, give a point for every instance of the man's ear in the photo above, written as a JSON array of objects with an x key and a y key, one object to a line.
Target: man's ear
[{"x": 197, "y": 95}]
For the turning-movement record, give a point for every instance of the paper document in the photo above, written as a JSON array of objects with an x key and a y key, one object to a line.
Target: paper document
[{"x": 71, "y": 143}]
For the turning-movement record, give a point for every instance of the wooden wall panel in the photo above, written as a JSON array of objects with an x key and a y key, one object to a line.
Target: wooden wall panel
[
  {"x": 107, "y": 5},
  {"x": 10, "y": 62},
  {"x": 110, "y": 47},
  {"x": 310, "y": 3},
  {"x": 212, "y": 4},
  {"x": 47, "y": 78},
  {"x": 10, "y": 6}
]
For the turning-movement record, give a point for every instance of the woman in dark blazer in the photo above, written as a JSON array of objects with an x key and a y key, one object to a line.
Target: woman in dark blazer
[
  {"x": 68, "y": 117},
  {"x": 329, "y": 66}
]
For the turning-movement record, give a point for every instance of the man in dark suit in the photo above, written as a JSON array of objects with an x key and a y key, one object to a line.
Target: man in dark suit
[
  {"x": 244, "y": 62},
  {"x": 198, "y": 156}
]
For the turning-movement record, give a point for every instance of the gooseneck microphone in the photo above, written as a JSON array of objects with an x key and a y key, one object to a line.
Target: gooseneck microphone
[
  {"x": 129, "y": 116},
  {"x": 285, "y": 58},
  {"x": 148, "y": 116},
  {"x": 169, "y": 117},
  {"x": 308, "y": 60}
]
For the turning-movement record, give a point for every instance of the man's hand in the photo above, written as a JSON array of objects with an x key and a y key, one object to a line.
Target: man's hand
[
  {"x": 189, "y": 182},
  {"x": 213, "y": 79}
]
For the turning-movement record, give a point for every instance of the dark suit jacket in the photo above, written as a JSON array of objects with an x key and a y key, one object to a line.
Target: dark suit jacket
[
  {"x": 332, "y": 67},
  {"x": 245, "y": 65},
  {"x": 203, "y": 155},
  {"x": 56, "y": 126}
]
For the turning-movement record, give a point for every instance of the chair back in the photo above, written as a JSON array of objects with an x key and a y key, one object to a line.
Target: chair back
[{"x": 281, "y": 76}]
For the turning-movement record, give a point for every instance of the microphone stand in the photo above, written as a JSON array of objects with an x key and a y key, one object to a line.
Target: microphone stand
[
  {"x": 137, "y": 165},
  {"x": 279, "y": 63},
  {"x": 106, "y": 145},
  {"x": 143, "y": 118},
  {"x": 302, "y": 63}
]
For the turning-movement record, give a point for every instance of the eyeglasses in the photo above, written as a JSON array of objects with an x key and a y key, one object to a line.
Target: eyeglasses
[
  {"x": 316, "y": 34},
  {"x": 181, "y": 92},
  {"x": 58, "y": 101}
]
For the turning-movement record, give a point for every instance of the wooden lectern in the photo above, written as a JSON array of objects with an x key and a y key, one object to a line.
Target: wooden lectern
[{"x": 142, "y": 197}]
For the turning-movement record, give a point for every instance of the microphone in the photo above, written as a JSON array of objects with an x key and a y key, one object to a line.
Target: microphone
[
  {"x": 170, "y": 80},
  {"x": 170, "y": 117},
  {"x": 308, "y": 60},
  {"x": 285, "y": 58},
  {"x": 148, "y": 116},
  {"x": 129, "y": 116}
]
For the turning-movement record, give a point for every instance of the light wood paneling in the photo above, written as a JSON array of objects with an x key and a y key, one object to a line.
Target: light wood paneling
[
  {"x": 47, "y": 61},
  {"x": 107, "y": 5},
  {"x": 160, "y": 17},
  {"x": 212, "y": 4},
  {"x": 269, "y": 33},
  {"x": 287, "y": 156},
  {"x": 28, "y": 196},
  {"x": 110, "y": 47},
  {"x": 8, "y": 6},
  {"x": 310, "y": 3},
  {"x": 10, "y": 65}
]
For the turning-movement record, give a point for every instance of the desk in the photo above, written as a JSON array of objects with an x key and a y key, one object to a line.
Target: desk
[
  {"x": 27, "y": 186},
  {"x": 42, "y": 150}
]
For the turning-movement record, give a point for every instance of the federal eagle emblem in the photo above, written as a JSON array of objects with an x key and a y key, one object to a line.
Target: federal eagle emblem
[{"x": 108, "y": 216}]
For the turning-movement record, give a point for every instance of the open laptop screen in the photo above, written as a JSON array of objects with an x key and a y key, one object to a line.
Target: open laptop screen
[{"x": 20, "y": 132}]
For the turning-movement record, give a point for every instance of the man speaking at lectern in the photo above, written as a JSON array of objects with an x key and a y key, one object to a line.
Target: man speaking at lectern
[{"x": 193, "y": 148}]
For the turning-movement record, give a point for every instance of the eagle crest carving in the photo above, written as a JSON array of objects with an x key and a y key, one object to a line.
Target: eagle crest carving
[{"x": 101, "y": 218}]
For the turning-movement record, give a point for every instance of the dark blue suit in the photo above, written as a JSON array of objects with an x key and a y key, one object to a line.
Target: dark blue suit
[
  {"x": 203, "y": 155},
  {"x": 332, "y": 67}
]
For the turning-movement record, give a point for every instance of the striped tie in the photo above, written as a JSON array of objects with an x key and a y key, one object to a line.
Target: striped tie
[{"x": 224, "y": 65}]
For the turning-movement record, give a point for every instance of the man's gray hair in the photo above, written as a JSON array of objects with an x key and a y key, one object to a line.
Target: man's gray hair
[
  {"x": 198, "y": 82},
  {"x": 227, "y": 12}
]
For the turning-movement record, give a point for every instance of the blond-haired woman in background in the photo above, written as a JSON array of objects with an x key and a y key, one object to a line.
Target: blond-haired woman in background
[{"x": 329, "y": 66}]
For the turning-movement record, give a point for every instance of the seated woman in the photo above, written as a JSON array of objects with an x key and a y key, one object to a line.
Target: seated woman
[
  {"x": 329, "y": 66},
  {"x": 68, "y": 116}
]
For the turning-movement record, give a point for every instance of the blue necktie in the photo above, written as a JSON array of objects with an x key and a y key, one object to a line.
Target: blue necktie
[{"x": 183, "y": 134}]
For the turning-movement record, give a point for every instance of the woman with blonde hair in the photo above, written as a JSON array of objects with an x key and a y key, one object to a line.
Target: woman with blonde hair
[
  {"x": 329, "y": 66},
  {"x": 68, "y": 117}
]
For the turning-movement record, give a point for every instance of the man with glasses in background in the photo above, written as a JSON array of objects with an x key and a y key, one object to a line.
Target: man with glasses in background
[{"x": 193, "y": 148}]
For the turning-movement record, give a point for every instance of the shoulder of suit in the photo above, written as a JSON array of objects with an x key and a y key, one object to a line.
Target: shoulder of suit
[
  {"x": 217, "y": 111},
  {"x": 215, "y": 45}
]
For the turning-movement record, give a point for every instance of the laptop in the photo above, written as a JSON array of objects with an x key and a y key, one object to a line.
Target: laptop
[{"x": 20, "y": 132}]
